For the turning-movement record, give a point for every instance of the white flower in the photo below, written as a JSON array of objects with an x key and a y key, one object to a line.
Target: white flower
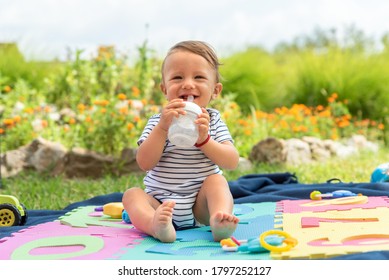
[{"x": 37, "y": 125}]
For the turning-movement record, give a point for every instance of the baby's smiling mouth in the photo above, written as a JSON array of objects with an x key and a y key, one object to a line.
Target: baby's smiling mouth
[{"x": 186, "y": 97}]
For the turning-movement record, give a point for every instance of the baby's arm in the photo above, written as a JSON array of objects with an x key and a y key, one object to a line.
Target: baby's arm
[
  {"x": 151, "y": 149},
  {"x": 223, "y": 154}
]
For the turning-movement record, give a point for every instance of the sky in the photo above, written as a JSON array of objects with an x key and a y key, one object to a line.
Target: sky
[{"x": 47, "y": 29}]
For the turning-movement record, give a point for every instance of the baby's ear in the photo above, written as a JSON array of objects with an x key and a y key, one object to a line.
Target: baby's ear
[
  {"x": 163, "y": 88},
  {"x": 218, "y": 89}
]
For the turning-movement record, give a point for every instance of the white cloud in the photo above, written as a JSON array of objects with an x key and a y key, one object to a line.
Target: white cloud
[{"x": 47, "y": 27}]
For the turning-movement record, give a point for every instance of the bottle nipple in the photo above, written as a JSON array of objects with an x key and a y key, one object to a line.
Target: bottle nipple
[{"x": 190, "y": 98}]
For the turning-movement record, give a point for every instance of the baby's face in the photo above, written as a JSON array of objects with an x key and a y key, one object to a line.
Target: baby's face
[{"x": 185, "y": 74}]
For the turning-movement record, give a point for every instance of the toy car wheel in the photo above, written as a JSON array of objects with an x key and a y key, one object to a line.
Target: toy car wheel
[
  {"x": 9, "y": 215},
  {"x": 23, "y": 221}
]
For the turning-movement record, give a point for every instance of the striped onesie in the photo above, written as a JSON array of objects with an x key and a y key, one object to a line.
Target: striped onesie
[{"x": 181, "y": 172}]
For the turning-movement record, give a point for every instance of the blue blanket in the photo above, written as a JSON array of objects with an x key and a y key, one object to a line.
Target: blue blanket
[{"x": 246, "y": 189}]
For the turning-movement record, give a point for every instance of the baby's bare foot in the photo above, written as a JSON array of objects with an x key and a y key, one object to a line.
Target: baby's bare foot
[
  {"x": 162, "y": 222},
  {"x": 223, "y": 225}
]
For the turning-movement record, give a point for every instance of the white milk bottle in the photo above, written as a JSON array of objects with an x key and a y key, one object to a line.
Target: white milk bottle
[{"x": 183, "y": 131}]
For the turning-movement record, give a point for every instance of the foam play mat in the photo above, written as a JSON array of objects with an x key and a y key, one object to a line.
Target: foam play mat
[{"x": 344, "y": 228}]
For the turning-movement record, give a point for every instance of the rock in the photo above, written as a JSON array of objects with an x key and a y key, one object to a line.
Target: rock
[
  {"x": 12, "y": 163},
  {"x": 244, "y": 164},
  {"x": 81, "y": 163},
  {"x": 319, "y": 152},
  {"x": 127, "y": 164},
  {"x": 344, "y": 151},
  {"x": 297, "y": 151},
  {"x": 361, "y": 143},
  {"x": 269, "y": 150},
  {"x": 40, "y": 155},
  {"x": 43, "y": 155}
]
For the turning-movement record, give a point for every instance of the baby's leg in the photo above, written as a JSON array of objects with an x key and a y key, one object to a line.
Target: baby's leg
[
  {"x": 150, "y": 216},
  {"x": 214, "y": 207}
]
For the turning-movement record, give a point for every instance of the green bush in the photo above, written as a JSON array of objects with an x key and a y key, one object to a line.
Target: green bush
[
  {"x": 13, "y": 67},
  {"x": 253, "y": 76}
]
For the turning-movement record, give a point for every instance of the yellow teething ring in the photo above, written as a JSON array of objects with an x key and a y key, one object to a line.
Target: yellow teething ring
[{"x": 289, "y": 241}]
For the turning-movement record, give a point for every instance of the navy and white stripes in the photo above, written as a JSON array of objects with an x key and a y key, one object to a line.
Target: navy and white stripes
[{"x": 180, "y": 172}]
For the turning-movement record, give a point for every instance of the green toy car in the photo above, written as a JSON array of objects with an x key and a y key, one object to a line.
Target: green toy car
[{"x": 12, "y": 212}]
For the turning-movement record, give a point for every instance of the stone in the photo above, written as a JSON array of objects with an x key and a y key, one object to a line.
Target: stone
[
  {"x": 297, "y": 151},
  {"x": 270, "y": 150},
  {"x": 43, "y": 155},
  {"x": 319, "y": 152},
  {"x": 244, "y": 164},
  {"x": 82, "y": 163},
  {"x": 12, "y": 163}
]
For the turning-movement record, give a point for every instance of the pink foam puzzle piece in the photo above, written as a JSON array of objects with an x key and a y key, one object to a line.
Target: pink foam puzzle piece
[
  {"x": 296, "y": 206},
  {"x": 43, "y": 240},
  {"x": 307, "y": 222}
]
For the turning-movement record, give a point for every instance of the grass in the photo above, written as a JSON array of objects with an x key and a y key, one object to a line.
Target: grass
[{"x": 39, "y": 191}]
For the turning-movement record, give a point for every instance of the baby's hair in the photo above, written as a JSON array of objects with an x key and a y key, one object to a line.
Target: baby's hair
[{"x": 200, "y": 48}]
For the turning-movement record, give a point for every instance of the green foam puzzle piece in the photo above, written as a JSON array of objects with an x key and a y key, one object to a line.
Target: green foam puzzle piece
[
  {"x": 258, "y": 209},
  {"x": 80, "y": 218},
  {"x": 91, "y": 245}
]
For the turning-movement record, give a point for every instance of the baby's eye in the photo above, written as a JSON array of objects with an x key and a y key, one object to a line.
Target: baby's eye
[
  {"x": 199, "y": 77},
  {"x": 176, "y": 78}
]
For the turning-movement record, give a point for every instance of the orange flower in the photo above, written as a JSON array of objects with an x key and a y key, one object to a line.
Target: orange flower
[
  {"x": 284, "y": 124},
  {"x": 44, "y": 123},
  {"x": 248, "y": 132},
  {"x": 7, "y": 89},
  {"x": 233, "y": 105},
  {"x": 81, "y": 107},
  {"x": 260, "y": 115},
  {"x": 381, "y": 126},
  {"x": 17, "y": 119},
  {"x": 243, "y": 122},
  {"x": 123, "y": 110},
  {"x": 325, "y": 113},
  {"x": 8, "y": 122},
  {"x": 135, "y": 91},
  {"x": 2, "y": 131},
  {"x": 130, "y": 126},
  {"x": 29, "y": 110},
  {"x": 122, "y": 96},
  {"x": 72, "y": 121},
  {"x": 101, "y": 102},
  {"x": 154, "y": 109}
]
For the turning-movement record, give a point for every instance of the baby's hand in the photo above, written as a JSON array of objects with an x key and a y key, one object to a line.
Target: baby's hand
[
  {"x": 173, "y": 109},
  {"x": 203, "y": 124}
]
